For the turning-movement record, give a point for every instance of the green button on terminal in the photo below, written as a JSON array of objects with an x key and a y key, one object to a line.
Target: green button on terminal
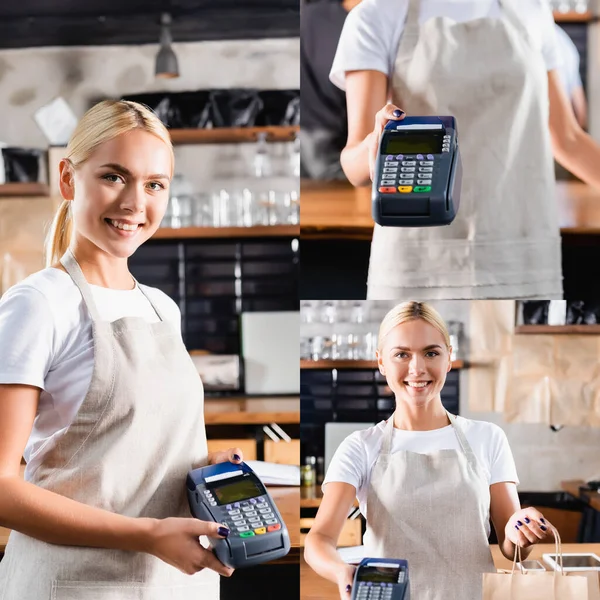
[
  {"x": 422, "y": 188},
  {"x": 247, "y": 534}
]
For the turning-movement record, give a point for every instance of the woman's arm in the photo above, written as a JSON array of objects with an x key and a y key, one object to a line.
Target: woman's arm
[
  {"x": 514, "y": 525},
  {"x": 320, "y": 544},
  {"x": 55, "y": 519},
  {"x": 573, "y": 148},
  {"x": 366, "y": 94}
]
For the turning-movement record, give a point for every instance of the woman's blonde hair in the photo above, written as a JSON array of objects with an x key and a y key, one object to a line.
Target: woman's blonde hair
[
  {"x": 103, "y": 122},
  {"x": 411, "y": 311}
]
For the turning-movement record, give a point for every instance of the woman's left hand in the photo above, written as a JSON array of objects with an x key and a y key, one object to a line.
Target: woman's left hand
[
  {"x": 232, "y": 455},
  {"x": 528, "y": 527}
]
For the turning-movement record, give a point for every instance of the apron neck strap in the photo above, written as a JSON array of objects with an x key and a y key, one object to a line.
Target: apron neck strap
[
  {"x": 74, "y": 270},
  {"x": 410, "y": 33},
  {"x": 388, "y": 434},
  {"x": 462, "y": 440},
  {"x": 72, "y": 267}
]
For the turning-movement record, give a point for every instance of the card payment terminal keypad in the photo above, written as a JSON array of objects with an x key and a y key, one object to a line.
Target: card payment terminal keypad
[
  {"x": 248, "y": 518},
  {"x": 368, "y": 590},
  {"x": 405, "y": 175}
]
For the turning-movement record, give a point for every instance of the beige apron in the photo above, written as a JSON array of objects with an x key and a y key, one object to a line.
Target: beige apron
[
  {"x": 431, "y": 509},
  {"x": 138, "y": 432},
  {"x": 505, "y": 241}
]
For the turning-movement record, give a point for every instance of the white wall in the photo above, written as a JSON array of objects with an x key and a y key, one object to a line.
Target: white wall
[{"x": 31, "y": 77}]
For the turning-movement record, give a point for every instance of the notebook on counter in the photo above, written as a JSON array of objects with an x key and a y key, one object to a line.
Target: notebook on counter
[{"x": 275, "y": 474}]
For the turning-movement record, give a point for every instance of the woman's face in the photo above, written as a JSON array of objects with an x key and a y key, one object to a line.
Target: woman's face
[
  {"x": 414, "y": 359},
  {"x": 120, "y": 193}
]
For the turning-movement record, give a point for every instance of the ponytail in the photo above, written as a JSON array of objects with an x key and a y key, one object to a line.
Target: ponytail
[{"x": 59, "y": 237}]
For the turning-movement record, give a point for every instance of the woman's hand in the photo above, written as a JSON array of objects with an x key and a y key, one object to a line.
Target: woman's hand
[
  {"x": 233, "y": 455},
  {"x": 527, "y": 527},
  {"x": 345, "y": 579},
  {"x": 175, "y": 541},
  {"x": 389, "y": 112}
]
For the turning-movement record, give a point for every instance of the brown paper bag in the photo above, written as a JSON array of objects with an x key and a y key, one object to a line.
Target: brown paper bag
[
  {"x": 540, "y": 586},
  {"x": 593, "y": 582}
]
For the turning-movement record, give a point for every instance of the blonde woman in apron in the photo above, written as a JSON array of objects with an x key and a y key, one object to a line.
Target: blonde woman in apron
[
  {"x": 98, "y": 392},
  {"x": 491, "y": 64},
  {"x": 427, "y": 481}
]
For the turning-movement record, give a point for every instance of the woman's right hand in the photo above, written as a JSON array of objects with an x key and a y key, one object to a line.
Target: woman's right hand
[
  {"x": 175, "y": 541},
  {"x": 345, "y": 579},
  {"x": 390, "y": 112}
]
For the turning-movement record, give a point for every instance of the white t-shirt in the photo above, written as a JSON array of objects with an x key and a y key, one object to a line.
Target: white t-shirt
[
  {"x": 355, "y": 457},
  {"x": 46, "y": 341},
  {"x": 372, "y": 31}
]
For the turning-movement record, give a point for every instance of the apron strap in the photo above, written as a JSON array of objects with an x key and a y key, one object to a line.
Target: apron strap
[
  {"x": 74, "y": 270},
  {"x": 154, "y": 306},
  {"x": 388, "y": 434},
  {"x": 72, "y": 267},
  {"x": 410, "y": 33},
  {"x": 462, "y": 440}
]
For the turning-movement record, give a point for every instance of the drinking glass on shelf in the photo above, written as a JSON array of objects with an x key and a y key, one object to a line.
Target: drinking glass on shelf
[
  {"x": 328, "y": 312},
  {"x": 294, "y": 157},
  {"x": 202, "y": 213},
  {"x": 262, "y": 163},
  {"x": 220, "y": 208}
]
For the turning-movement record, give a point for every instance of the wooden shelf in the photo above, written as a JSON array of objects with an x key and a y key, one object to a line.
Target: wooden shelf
[
  {"x": 558, "y": 329},
  {"x": 251, "y": 418},
  {"x": 232, "y": 135},
  {"x": 18, "y": 190},
  {"x": 354, "y": 364},
  {"x": 573, "y": 17},
  {"x": 166, "y": 233}
]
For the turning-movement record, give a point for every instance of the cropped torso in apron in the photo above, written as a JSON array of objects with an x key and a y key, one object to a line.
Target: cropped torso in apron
[
  {"x": 432, "y": 510},
  {"x": 136, "y": 435},
  {"x": 505, "y": 240}
]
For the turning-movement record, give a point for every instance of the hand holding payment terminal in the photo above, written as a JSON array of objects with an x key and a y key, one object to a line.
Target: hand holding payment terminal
[
  {"x": 418, "y": 173},
  {"x": 235, "y": 496},
  {"x": 381, "y": 579}
]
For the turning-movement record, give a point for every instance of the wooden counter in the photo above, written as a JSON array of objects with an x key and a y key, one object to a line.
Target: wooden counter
[
  {"x": 338, "y": 210},
  {"x": 314, "y": 587},
  {"x": 590, "y": 498},
  {"x": 287, "y": 500}
]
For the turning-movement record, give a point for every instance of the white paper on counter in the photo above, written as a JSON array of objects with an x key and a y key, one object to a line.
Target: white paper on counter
[
  {"x": 57, "y": 121},
  {"x": 274, "y": 474},
  {"x": 352, "y": 554}
]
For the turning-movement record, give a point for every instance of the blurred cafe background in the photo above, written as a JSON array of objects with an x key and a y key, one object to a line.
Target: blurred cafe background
[
  {"x": 224, "y": 77},
  {"x": 336, "y": 218},
  {"x": 529, "y": 367}
]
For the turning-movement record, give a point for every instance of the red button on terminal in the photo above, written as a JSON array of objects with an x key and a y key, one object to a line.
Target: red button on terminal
[
  {"x": 274, "y": 527},
  {"x": 387, "y": 190}
]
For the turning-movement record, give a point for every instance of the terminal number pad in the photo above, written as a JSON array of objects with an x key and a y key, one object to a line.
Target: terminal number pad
[
  {"x": 374, "y": 591},
  {"x": 254, "y": 518}
]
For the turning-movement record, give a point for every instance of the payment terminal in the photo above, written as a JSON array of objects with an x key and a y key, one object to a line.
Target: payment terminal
[
  {"x": 418, "y": 173},
  {"x": 234, "y": 496},
  {"x": 381, "y": 579}
]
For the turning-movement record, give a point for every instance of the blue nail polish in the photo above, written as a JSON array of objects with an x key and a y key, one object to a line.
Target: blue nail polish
[
  {"x": 223, "y": 531},
  {"x": 348, "y": 588},
  {"x": 527, "y": 520},
  {"x": 543, "y": 528},
  {"x": 517, "y": 527},
  {"x": 237, "y": 457},
  {"x": 519, "y": 524},
  {"x": 542, "y": 520},
  {"x": 398, "y": 112}
]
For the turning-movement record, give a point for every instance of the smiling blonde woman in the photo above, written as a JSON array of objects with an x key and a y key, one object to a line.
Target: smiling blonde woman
[
  {"x": 99, "y": 394},
  {"x": 427, "y": 481}
]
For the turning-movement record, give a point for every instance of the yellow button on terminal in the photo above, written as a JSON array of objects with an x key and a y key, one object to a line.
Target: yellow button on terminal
[
  {"x": 260, "y": 530},
  {"x": 405, "y": 189}
]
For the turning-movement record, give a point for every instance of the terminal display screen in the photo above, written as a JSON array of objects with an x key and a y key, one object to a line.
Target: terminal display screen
[{"x": 414, "y": 143}]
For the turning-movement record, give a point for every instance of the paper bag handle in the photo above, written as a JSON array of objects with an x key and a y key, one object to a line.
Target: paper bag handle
[{"x": 558, "y": 550}]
